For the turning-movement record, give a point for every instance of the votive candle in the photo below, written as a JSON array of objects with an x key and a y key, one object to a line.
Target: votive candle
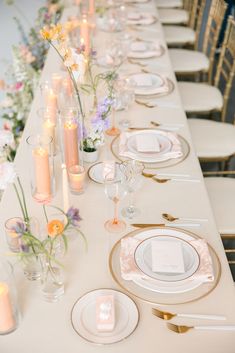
[{"x": 76, "y": 178}]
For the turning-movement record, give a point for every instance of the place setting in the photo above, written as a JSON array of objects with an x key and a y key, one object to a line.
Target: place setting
[
  {"x": 152, "y": 146},
  {"x": 165, "y": 265},
  {"x": 143, "y": 49},
  {"x": 140, "y": 18}
]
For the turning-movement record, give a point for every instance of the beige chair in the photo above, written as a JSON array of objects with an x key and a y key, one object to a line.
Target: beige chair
[
  {"x": 213, "y": 140},
  {"x": 169, "y": 3},
  {"x": 221, "y": 191},
  {"x": 187, "y": 62},
  {"x": 181, "y": 35}
]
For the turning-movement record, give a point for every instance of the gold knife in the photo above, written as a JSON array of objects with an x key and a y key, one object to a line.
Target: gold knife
[{"x": 146, "y": 225}]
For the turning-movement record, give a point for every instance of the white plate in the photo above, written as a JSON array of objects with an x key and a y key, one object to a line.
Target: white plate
[
  {"x": 83, "y": 317},
  {"x": 166, "y": 287},
  {"x": 95, "y": 172},
  {"x": 165, "y": 145},
  {"x": 143, "y": 259},
  {"x": 157, "y": 82},
  {"x": 104, "y": 61}
]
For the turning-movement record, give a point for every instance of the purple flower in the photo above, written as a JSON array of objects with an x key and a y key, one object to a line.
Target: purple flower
[
  {"x": 24, "y": 247},
  {"x": 100, "y": 121},
  {"x": 19, "y": 228},
  {"x": 73, "y": 216}
]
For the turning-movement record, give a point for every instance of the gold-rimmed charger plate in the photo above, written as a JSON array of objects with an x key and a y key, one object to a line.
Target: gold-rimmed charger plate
[
  {"x": 155, "y": 165},
  {"x": 163, "y": 298},
  {"x": 171, "y": 87}
]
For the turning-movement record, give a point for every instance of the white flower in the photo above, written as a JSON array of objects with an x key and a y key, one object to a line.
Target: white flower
[
  {"x": 6, "y": 138},
  {"x": 7, "y": 174},
  {"x": 6, "y": 103}
]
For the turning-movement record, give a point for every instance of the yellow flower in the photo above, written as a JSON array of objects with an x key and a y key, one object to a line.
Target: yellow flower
[
  {"x": 46, "y": 33},
  {"x": 55, "y": 227},
  {"x": 74, "y": 67}
]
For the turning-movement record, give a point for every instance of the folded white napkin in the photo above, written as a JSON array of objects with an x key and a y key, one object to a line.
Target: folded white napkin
[
  {"x": 144, "y": 50},
  {"x": 175, "y": 152},
  {"x": 147, "y": 143},
  {"x": 129, "y": 270}
]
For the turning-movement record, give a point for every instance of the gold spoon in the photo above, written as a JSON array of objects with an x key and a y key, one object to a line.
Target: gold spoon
[
  {"x": 168, "y": 316},
  {"x": 153, "y": 176},
  {"x": 145, "y": 104},
  {"x": 183, "y": 329},
  {"x": 171, "y": 218}
]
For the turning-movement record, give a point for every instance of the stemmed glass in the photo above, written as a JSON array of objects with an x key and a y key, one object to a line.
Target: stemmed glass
[
  {"x": 125, "y": 96},
  {"x": 132, "y": 170},
  {"x": 115, "y": 190}
]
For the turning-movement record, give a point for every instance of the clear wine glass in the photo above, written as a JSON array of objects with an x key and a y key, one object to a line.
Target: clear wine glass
[
  {"x": 115, "y": 190},
  {"x": 132, "y": 170}
]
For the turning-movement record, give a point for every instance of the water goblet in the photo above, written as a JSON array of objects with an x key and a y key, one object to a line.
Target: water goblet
[
  {"x": 115, "y": 190},
  {"x": 132, "y": 170}
]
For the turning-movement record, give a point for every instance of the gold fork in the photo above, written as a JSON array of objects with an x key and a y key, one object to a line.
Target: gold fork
[
  {"x": 168, "y": 316},
  {"x": 183, "y": 329},
  {"x": 134, "y": 62}
]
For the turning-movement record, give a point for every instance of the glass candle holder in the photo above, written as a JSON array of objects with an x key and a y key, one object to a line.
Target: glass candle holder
[
  {"x": 12, "y": 237},
  {"x": 9, "y": 313},
  {"x": 49, "y": 125},
  {"x": 42, "y": 170},
  {"x": 77, "y": 177},
  {"x": 69, "y": 136}
]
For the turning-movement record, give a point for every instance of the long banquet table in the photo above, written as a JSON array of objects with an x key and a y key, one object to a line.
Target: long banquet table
[{"x": 46, "y": 327}]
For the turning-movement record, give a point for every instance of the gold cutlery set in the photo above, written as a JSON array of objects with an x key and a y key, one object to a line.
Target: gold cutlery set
[{"x": 183, "y": 329}]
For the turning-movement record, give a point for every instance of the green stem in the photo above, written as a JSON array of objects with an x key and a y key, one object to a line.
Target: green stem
[
  {"x": 45, "y": 213},
  {"x": 23, "y": 197},
  {"x": 18, "y": 197}
]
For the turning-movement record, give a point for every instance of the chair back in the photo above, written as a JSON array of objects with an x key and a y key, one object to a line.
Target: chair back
[
  {"x": 225, "y": 73},
  {"x": 193, "y": 7},
  {"x": 212, "y": 31}
]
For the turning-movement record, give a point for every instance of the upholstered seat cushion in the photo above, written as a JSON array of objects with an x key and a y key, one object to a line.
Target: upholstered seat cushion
[
  {"x": 200, "y": 97},
  {"x": 221, "y": 192},
  {"x": 212, "y": 139},
  {"x": 173, "y": 16},
  {"x": 187, "y": 61},
  {"x": 179, "y": 35},
  {"x": 169, "y": 3}
]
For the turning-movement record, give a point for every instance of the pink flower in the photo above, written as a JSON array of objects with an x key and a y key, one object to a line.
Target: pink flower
[{"x": 18, "y": 86}]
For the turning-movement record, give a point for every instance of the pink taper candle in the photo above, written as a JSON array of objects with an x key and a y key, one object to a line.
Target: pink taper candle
[
  {"x": 85, "y": 35},
  {"x": 71, "y": 143},
  {"x": 42, "y": 174},
  {"x": 7, "y": 321}
]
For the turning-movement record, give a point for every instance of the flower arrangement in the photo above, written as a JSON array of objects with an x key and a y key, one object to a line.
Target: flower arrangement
[{"x": 28, "y": 61}]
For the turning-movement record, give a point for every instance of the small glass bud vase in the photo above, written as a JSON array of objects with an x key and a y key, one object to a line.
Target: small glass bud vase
[
  {"x": 9, "y": 313},
  {"x": 69, "y": 136},
  {"x": 42, "y": 170}
]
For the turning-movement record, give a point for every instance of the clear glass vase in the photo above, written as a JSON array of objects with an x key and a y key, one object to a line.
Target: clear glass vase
[
  {"x": 52, "y": 281},
  {"x": 9, "y": 313}
]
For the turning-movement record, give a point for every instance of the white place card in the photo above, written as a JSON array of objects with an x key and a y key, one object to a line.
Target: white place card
[
  {"x": 143, "y": 80},
  {"x": 167, "y": 256},
  {"x": 138, "y": 46},
  {"x": 108, "y": 170},
  {"x": 134, "y": 16},
  {"x": 147, "y": 143}
]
